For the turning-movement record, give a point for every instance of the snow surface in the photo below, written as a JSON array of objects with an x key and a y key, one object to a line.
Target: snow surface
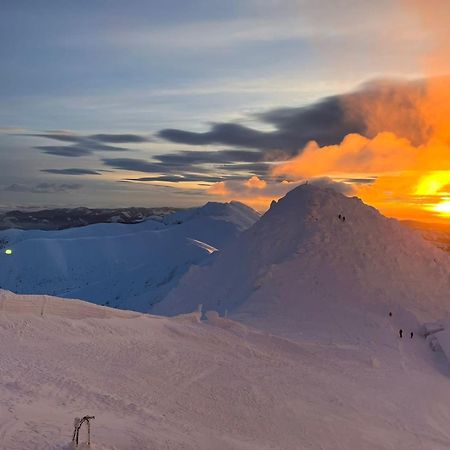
[
  {"x": 443, "y": 337},
  {"x": 126, "y": 266},
  {"x": 235, "y": 212},
  {"x": 178, "y": 383},
  {"x": 308, "y": 358},
  {"x": 302, "y": 267}
]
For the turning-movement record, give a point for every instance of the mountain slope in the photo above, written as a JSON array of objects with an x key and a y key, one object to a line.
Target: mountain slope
[
  {"x": 126, "y": 266},
  {"x": 178, "y": 383},
  {"x": 320, "y": 260}
]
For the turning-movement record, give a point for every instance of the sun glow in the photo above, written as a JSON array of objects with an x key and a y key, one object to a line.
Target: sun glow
[
  {"x": 434, "y": 183},
  {"x": 435, "y": 189},
  {"x": 443, "y": 208}
]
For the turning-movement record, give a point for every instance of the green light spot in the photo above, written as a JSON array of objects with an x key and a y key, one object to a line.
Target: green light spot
[{"x": 8, "y": 251}]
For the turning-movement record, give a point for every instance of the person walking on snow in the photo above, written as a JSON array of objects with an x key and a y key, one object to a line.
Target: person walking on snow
[{"x": 400, "y": 332}]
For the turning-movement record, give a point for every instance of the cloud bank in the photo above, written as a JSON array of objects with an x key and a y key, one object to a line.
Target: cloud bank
[{"x": 43, "y": 188}]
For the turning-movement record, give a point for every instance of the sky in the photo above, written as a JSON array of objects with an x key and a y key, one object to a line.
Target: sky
[{"x": 107, "y": 103}]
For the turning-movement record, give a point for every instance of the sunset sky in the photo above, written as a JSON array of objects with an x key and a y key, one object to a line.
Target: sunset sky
[{"x": 107, "y": 103}]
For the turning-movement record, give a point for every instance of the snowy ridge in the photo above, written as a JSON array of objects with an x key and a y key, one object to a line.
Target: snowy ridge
[
  {"x": 46, "y": 305},
  {"x": 126, "y": 266},
  {"x": 318, "y": 259},
  {"x": 236, "y": 212}
]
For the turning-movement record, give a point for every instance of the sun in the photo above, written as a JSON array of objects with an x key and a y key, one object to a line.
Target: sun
[
  {"x": 434, "y": 187},
  {"x": 443, "y": 208}
]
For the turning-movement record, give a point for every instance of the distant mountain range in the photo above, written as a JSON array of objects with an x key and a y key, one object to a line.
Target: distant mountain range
[{"x": 62, "y": 218}]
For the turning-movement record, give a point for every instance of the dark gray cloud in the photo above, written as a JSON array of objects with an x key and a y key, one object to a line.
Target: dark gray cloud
[
  {"x": 119, "y": 138},
  {"x": 58, "y": 136},
  {"x": 77, "y": 150},
  {"x": 64, "y": 150},
  {"x": 360, "y": 180},
  {"x": 259, "y": 169},
  {"x": 230, "y": 134},
  {"x": 86, "y": 145},
  {"x": 156, "y": 167},
  {"x": 43, "y": 188},
  {"x": 135, "y": 165},
  {"x": 72, "y": 171},
  {"x": 181, "y": 178},
  {"x": 209, "y": 157},
  {"x": 194, "y": 166},
  {"x": 327, "y": 121},
  {"x": 105, "y": 138}
]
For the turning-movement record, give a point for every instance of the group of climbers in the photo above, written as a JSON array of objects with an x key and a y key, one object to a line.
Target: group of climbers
[{"x": 400, "y": 332}]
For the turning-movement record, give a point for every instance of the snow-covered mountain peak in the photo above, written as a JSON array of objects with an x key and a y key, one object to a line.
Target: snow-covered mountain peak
[
  {"x": 321, "y": 220},
  {"x": 308, "y": 200},
  {"x": 307, "y": 204},
  {"x": 316, "y": 254},
  {"x": 235, "y": 212},
  {"x": 310, "y": 216}
]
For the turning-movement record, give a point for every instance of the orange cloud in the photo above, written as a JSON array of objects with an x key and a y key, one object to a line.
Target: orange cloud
[
  {"x": 255, "y": 182},
  {"x": 410, "y": 181},
  {"x": 259, "y": 194},
  {"x": 355, "y": 155},
  {"x": 255, "y": 192}
]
